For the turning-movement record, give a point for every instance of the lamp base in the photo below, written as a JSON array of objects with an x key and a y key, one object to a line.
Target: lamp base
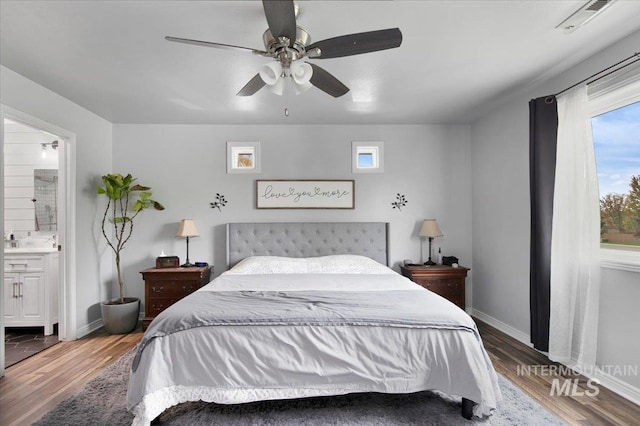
[
  {"x": 429, "y": 262},
  {"x": 187, "y": 265}
]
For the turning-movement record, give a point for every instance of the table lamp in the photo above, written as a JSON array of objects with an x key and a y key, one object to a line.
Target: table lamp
[
  {"x": 186, "y": 230},
  {"x": 431, "y": 230}
]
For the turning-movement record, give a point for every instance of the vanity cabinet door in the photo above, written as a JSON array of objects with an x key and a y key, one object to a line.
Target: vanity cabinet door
[
  {"x": 24, "y": 301},
  {"x": 10, "y": 296},
  {"x": 32, "y": 296}
]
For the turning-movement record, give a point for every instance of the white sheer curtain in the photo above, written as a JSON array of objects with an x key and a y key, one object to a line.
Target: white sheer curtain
[{"x": 575, "y": 268}]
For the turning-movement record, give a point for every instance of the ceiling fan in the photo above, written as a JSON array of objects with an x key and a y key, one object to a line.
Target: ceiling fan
[{"x": 288, "y": 44}]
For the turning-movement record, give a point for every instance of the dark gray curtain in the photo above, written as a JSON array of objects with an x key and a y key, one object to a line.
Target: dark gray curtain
[{"x": 543, "y": 130}]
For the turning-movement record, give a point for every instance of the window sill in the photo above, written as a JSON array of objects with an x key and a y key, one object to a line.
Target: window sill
[{"x": 622, "y": 260}]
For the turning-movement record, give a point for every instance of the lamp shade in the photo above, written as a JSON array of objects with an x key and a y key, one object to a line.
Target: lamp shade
[
  {"x": 430, "y": 228},
  {"x": 187, "y": 228}
]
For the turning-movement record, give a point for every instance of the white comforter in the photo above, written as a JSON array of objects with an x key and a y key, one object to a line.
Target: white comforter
[{"x": 236, "y": 364}]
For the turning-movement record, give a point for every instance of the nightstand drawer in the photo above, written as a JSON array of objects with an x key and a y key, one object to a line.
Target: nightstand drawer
[
  {"x": 155, "y": 306},
  {"x": 172, "y": 289},
  {"x": 442, "y": 286}
]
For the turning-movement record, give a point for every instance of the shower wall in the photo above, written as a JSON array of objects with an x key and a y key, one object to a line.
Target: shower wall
[{"x": 22, "y": 157}]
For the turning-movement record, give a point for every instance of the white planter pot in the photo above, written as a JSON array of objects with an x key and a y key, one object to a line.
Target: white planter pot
[{"x": 120, "y": 318}]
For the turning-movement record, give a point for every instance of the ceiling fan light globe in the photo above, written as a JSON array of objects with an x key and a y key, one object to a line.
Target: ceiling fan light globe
[
  {"x": 271, "y": 72},
  {"x": 277, "y": 87},
  {"x": 301, "y": 73},
  {"x": 301, "y": 88}
]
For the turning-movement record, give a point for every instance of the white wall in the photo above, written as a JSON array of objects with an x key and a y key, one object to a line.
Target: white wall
[
  {"x": 501, "y": 220},
  {"x": 93, "y": 157},
  {"x": 186, "y": 166}
]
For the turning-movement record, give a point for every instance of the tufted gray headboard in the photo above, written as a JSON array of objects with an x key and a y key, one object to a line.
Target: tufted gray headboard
[{"x": 307, "y": 239}]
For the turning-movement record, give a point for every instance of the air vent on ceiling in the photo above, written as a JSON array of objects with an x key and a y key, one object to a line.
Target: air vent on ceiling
[{"x": 585, "y": 14}]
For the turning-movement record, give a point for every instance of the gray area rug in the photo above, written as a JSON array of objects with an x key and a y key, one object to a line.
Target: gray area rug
[{"x": 102, "y": 402}]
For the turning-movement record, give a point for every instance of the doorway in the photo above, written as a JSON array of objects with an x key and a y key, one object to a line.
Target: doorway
[
  {"x": 37, "y": 194},
  {"x": 30, "y": 228}
]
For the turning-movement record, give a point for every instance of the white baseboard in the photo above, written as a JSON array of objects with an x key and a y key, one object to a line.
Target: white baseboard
[
  {"x": 89, "y": 328},
  {"x": 505, "y": 328},
  {"x": 616, "y": 385},
  {"x": 93, "y": 326}
]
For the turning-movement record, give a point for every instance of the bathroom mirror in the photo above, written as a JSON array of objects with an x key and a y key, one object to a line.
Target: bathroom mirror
[{"x": 45, "y": 199}]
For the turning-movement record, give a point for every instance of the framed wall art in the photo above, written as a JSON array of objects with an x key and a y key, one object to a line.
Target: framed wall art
[
  {"x": 243, "y": 157},
  {"x": 305, "y": 194}
]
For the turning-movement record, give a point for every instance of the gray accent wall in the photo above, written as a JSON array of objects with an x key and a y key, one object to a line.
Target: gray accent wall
[{"x": 186, "y": 166}]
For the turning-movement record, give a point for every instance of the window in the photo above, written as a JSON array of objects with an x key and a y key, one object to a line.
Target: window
[
  {"x": 616, "y": 139},
  {"x": 366, "y": 160},
  {"x": 367, "y": 157},
  {"x": 615, "y": 123}
]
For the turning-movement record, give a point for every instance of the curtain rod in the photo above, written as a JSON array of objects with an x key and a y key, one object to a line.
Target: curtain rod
[{"x": 637, "y": 54}]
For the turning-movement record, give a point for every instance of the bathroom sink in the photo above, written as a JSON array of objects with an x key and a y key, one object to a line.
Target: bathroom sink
[{"x": 32, "y": 245}]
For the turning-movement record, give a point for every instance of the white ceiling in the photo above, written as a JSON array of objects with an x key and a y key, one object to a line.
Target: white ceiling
[{"x": 111, "y": 57}]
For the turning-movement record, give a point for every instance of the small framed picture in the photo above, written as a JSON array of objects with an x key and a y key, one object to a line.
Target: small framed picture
[{"x": 243, "y": 157}]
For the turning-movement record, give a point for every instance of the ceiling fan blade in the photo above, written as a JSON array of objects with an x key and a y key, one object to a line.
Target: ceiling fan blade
[
  {"x": 252, "y": 86},
  {"x": 326, "y": 82},
  {"x": 281, "y": 17},
  {"x": 356, "y": 44},
  {"x": 212, "y": 44}
]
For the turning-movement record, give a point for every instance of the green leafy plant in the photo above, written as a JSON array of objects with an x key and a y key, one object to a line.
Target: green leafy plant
[{"x": 126, "y": 200}]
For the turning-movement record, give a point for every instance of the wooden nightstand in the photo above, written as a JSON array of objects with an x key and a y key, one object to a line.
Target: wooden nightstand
[
  {"x": 446, "y": 281},
  {"x": 165, "y": 286}
]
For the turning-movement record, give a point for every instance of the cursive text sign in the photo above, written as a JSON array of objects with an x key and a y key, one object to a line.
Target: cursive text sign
[{"x": 305, "y": 194}]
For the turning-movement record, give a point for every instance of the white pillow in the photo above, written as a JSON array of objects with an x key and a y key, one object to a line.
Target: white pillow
[
  {"x": 346, "y": 264},
  {"x": 334, "y": 264},
  {"x": 270, "y": 265}
]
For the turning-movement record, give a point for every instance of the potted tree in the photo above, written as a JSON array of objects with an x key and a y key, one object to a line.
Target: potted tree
[{"x": 125, "y": 201}]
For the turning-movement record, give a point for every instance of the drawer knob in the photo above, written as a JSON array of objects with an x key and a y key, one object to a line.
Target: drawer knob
[{"x": 157, "y": 289}]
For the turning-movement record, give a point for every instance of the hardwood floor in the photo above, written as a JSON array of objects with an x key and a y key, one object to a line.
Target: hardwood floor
[
  {"x": 36, "y": 385},
  {"x": 509, "y": 356}
]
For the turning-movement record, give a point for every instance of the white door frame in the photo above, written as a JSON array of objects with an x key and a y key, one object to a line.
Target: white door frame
[{"x": 66, "y": 217}]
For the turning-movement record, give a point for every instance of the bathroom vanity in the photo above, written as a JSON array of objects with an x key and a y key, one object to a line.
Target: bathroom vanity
[{"x": 31, "y": 278}]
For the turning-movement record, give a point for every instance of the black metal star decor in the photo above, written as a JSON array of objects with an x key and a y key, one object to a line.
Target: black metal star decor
[
  {"x": 219, "y": 203},
  {"x": 400, "y": 202}
]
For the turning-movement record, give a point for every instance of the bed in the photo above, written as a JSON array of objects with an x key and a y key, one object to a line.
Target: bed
[{"x": 304, "y": 310}]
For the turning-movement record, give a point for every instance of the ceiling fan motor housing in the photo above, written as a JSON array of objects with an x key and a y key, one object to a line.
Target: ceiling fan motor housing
[{"x": 282, "y": 51}]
